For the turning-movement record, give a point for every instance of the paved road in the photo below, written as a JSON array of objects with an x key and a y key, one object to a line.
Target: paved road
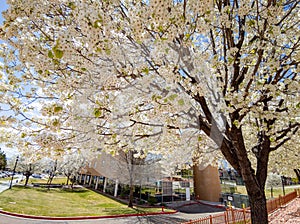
[
  {"x": 185, "y": 213},
  {"x": 156, "y": 219},
  {"x": 4, "y": 185}
]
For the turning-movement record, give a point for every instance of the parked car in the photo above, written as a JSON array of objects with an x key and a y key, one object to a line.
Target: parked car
[
  {"x": 35, "y": 175},
  {"x": 2, "y": 175}
]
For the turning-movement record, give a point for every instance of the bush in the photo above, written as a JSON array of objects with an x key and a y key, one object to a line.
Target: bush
[
  {"x": 152, "y": 200},
  {"x": 233, "y": 189}
]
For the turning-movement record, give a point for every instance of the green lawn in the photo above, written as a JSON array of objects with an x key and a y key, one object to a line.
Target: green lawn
[
  {"x": 242, "y": 190},
  {"x": 6, "y": 179},
  {"x": 56, "y": 180},
  {"x": 63, "y": 203}
]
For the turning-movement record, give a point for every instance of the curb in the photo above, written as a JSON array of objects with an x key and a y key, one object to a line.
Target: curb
[
  {"x": 208, "y": 204},
  {"x": 83, "y": 217},
  {"x": 203, "y": 203}
]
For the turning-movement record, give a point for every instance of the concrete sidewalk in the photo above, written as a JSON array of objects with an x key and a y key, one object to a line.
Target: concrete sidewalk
[{"x": 4, "y": 185}]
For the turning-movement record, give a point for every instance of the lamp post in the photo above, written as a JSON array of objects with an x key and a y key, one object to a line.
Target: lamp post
[
  {"x": 282, "y": 182},
  {"x": 14, "y": 170}
]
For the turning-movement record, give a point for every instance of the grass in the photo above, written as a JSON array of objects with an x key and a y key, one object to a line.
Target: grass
[
  {"x": 56, "y": 180},
  {"x": 277, "y": 192},
  {"x": 6, "y": 179},
  {"x": 242, "y": 190},
  {"x": 63, "y": 203}
]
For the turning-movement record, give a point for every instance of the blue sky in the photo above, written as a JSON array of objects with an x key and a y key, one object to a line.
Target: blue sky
[{"x": 3, "y": 6}]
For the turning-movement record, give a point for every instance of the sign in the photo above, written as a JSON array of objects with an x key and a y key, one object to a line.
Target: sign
[{"x": 230, "y": 198}]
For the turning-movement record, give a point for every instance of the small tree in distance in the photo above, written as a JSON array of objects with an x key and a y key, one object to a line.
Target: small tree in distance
[
  {"x": 70, "y": 165},
  {"x": 273, "y": 180},
  {"x": 3, "y": 160},
  {"x": 27, "y": 165}
]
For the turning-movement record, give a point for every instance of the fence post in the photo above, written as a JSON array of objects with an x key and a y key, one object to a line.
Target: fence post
[
  {"x": 225, "y": 215},
  {"x": 244, "y": 213},
  {"x": 233, "y": 218},
  {"x": 210, "y": 219},
  {"x": 280, "y": 200}
]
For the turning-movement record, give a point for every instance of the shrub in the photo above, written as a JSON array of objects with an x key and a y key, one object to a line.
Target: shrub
[{"x": 152, "y": 200}]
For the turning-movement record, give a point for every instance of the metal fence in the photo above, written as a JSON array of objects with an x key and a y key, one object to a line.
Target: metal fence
[
  {"x": 276, "y": 203},
  {"x": 230, "y": 216},
  {"x": 236, "y": 216}
]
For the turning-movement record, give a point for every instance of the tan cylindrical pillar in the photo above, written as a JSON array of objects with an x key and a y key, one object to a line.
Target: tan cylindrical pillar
[{"x": 207, "y": 185}]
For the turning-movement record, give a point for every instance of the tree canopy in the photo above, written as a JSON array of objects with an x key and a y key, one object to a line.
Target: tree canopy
[
  {"x": 3, "y": 160},
  {"x": 158, "y": 76}
]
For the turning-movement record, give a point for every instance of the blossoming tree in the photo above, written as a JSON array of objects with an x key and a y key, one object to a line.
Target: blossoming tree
[{"x": 160, "y": 69}]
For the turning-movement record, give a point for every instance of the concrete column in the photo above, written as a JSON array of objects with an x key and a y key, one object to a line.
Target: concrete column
[
  {"x": 96, "y": 185},
  {"x": 91, "y": 178},
  {"x": 116, "y": 188},
  {"x": 104, "y": 185},
  {"x": 80, "y": 178},
  {"x": 84, "y": 180},
  {"x": 207, "y": 185}
]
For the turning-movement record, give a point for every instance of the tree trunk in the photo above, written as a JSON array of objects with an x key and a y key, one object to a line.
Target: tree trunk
[
  {"x": 256, "y": 193},
  {"x": 255, "y": 185},
  {"x": 272, "y": 192},
  {"x": 259, "y": 213},
  {"x": 28, "y": 174},
  {"x": 297, "y": 171},
  {"x": 26, "y": 180},
  {"x": 130, "y": 203},
  {"x": 235, "y": 152},
  {"x": 50, "y": 181},
  {"x": 73, "y": 180}
]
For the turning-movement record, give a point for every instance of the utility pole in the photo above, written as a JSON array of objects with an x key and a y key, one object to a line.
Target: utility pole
[{"x": 14, "y": 170}]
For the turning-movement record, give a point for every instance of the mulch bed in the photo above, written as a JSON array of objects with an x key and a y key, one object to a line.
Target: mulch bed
[{"x": 288, "y": 214}]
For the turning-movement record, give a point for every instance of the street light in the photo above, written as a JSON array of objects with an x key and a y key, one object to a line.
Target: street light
[
  {"x": 14, "y": 170},
  {"x": 282, "y": 182}
]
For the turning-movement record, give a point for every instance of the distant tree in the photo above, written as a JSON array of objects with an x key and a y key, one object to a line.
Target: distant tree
[
  {"x": 273, "y": 180},
  {"x": 70, "y": 166},
  {"x": 3, "y": 160},
  {"x": 27, "y": 166},
  {"x": 297, "y": 171},
  {"x": 28, "y": 173},
  {"x": 130, "y": 168},
  {"x": 131, "y": 163},
  {"x": 52, "y": 173}
]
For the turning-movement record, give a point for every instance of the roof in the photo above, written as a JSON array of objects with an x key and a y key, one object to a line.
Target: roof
[{"x": 90, "y": 171}]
